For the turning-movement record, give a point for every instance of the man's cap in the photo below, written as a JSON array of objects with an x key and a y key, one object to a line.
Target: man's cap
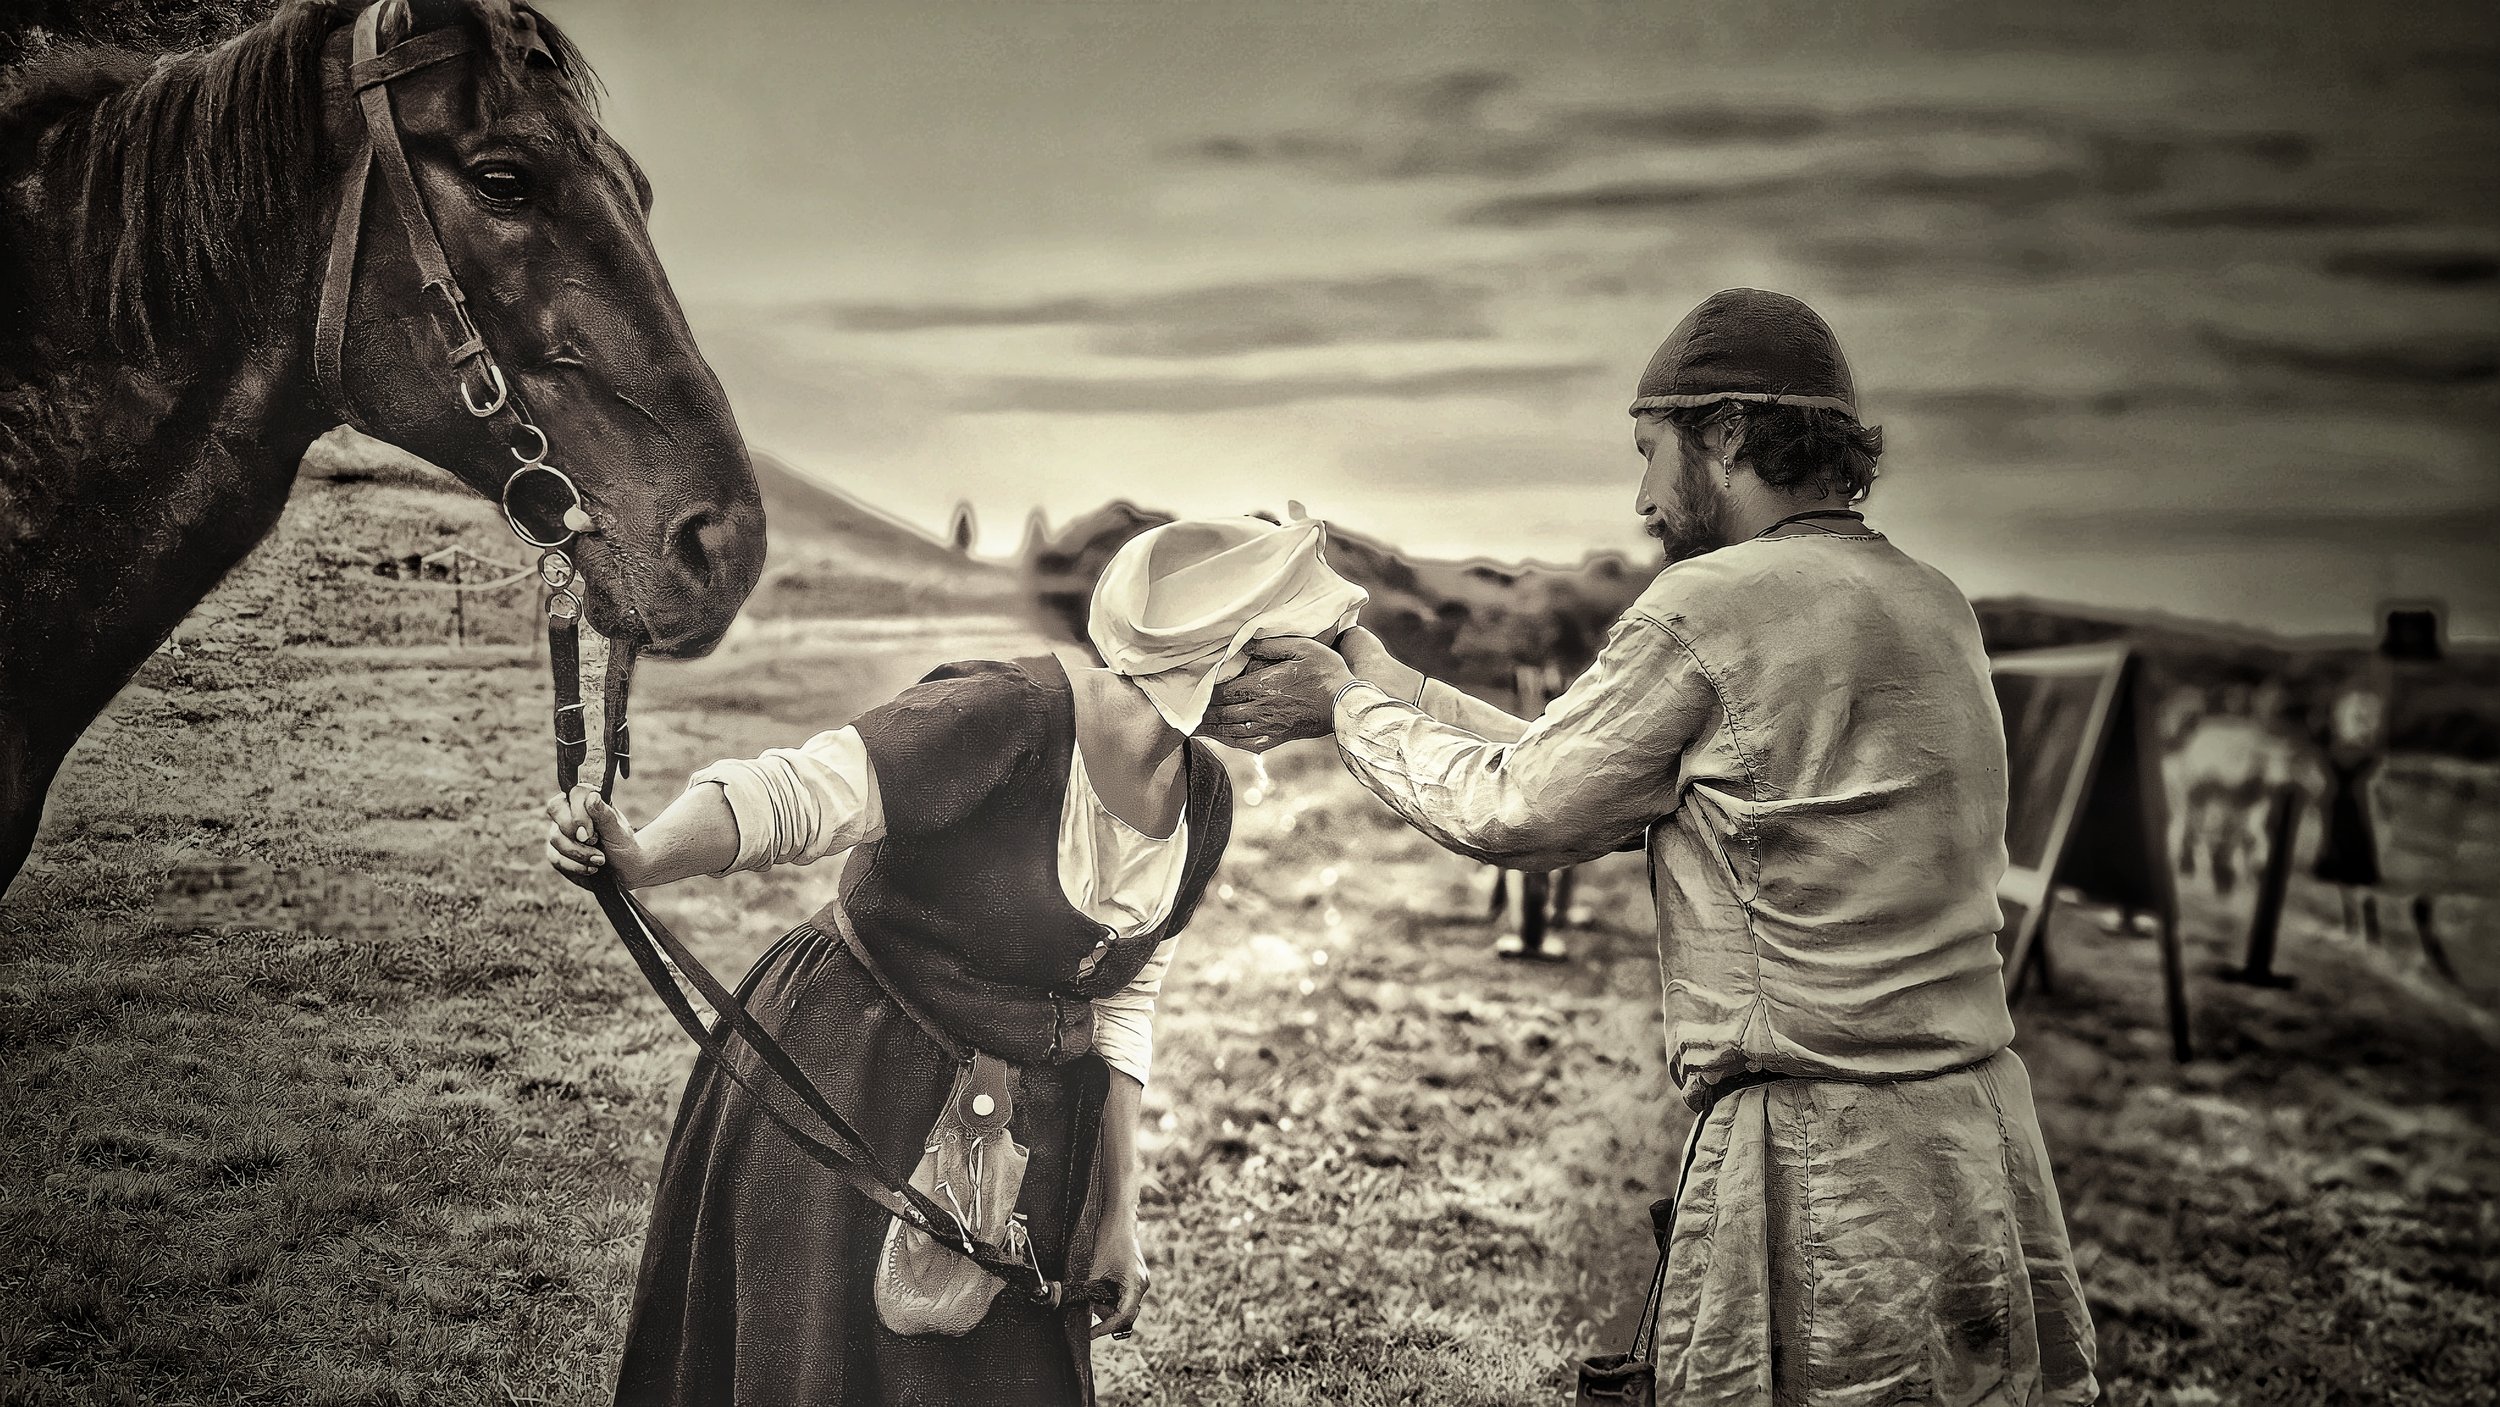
[{"x": 1743, "y": 344}]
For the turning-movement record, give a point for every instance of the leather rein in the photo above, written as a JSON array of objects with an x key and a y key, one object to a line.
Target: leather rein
[{"x": 789, "y": 1098}]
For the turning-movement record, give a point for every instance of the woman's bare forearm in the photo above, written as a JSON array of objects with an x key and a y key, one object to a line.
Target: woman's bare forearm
[
  {"x": 1117, "y": 1154},
  {"x": 696, "y": 835}
]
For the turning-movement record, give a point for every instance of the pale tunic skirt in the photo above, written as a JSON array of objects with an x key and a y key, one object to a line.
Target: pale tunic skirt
[{"x": 1843, "y": 1244}]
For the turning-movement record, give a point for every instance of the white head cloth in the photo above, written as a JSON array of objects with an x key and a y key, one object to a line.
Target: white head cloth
[{"x": 1179, "y": 603}]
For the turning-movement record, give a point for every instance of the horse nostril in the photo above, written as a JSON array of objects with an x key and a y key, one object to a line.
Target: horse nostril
[{"x": 688, "y": 551}]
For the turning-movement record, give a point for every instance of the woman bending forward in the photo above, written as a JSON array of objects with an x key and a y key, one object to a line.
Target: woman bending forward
[{"x": 1030, "y": 842}]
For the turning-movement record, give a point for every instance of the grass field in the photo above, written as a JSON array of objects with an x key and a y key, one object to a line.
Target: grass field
[{"x": 321, "y": 1089}]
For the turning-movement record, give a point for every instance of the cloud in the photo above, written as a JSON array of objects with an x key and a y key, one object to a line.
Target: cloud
[
  {"x": 2429, "y": 268},
  {"x": 1486, "y": 125},
  {"x": 2424, "y": 361},
  {"x": 2263, "y": 217},
  {"x": 1196, "y": 395},
  {"x": 1215, "y": 320},
  {"x": 2002, "y": 403},
  {"x": 1626, "y": 200},
  {"x": 2352, "y": 526},
  {"x": 1921, "y": 159},
  {"x": 1496, "y": 461},
  {"x": 1878, "y": 261},
  {"x": 1693, "y": 124},
  {"x": 1437, "y": 126}
]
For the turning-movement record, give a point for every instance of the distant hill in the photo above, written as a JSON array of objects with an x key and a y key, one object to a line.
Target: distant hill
[
  {"x": 362, "y": 511},
  {"x": 829, "y": 554},
  {"x": 337, "y": 569},
  {"x": 809, "y": 516}
]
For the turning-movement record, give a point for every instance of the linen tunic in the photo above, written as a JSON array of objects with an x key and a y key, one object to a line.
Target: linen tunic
[
  {"x": 755, "y": 1288},
  {"x": 1802, "y": 732}
]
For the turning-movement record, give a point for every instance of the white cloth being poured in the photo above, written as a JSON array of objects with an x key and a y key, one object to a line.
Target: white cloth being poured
[{"x": 1179, "y": 603}]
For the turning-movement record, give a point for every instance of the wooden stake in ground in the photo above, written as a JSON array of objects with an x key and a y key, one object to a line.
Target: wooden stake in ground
[{"x": 2282, "y": 832}]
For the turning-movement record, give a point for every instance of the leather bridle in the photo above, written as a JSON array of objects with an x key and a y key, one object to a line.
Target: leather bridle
[
  {"x": 483, "y": 390},
  {"x": 790, "y": 1100}
]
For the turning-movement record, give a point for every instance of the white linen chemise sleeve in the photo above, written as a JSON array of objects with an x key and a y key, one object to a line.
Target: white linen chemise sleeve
[
  {"x": 1124, "y": 1032},
  {"x": 797, "y": 805}
]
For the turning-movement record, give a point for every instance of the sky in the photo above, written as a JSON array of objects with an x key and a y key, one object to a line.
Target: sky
[{"x": 2188, "y": 308}]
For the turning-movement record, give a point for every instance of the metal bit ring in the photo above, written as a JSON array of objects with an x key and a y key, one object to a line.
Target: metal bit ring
[{"x": 512, "y": 515}]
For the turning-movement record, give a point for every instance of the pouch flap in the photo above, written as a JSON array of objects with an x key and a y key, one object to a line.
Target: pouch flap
[{"x": 984, "y": 1101}]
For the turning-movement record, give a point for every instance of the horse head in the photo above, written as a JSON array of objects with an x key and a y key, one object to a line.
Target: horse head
[{"x": 540, "y": 329}]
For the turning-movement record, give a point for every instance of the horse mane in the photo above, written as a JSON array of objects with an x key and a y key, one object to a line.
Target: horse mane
[{"x": 176, "y": 174}]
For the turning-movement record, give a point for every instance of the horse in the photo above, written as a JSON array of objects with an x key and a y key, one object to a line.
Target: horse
[
  {"x": 407, "y": 218},
  {"x": 2223, "y": 772}
]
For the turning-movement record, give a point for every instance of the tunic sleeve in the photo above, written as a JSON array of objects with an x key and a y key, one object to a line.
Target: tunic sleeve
[
  {"x": 942, "y": 747},
  {"x": 1602, "y": 761},
  {"x": 1460, "y": 709}
]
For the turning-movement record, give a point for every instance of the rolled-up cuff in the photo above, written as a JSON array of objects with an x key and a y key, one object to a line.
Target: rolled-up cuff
[
  {"x": 1354, "y": 696},
  {"x": 1124, "y": 1036},
  {"x": 750, "y": 806}
]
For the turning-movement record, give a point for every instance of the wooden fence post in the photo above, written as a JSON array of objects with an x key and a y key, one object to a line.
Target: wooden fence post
[{"x": 2282, "y": 832}]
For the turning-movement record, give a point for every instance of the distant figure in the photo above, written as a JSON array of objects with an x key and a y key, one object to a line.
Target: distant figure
[
  {"x": 2224, "y": 767},
  {"x": 1544, "y": 896},
  {"x": 2348, "y": 855},
  {"x": 961, "y": 530}
]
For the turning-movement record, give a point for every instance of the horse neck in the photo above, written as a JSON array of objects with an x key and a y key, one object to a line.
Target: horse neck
[{"x": 131, "y": 489}]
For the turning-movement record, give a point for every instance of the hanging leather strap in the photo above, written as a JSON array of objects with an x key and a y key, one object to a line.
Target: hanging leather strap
[
  {"x": 620, "y": 687},
  {"x": 791, "y": 1100},
  {"x": 564, "y": 659}
]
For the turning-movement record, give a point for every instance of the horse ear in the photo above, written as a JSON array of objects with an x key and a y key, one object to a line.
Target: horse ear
[{"x": 511, "y": 29}]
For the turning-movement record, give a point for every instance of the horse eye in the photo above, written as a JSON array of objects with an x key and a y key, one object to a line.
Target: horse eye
[{"x": 501, "y": 184}]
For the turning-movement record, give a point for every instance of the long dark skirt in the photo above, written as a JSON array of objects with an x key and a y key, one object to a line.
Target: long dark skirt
[{"x": 755, "y": 1285}]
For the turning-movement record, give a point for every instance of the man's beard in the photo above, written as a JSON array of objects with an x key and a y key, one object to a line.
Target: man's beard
[{"x": 1696, "y": 522}]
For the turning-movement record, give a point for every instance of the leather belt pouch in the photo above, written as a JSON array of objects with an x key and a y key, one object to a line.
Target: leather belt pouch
[{"x": 974, "y": 1167}]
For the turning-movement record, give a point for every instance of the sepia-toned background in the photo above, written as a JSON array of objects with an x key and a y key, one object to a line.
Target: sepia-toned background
[
  {"x": 2183, "y": 322},
  {"x": 2180, "y": 306}
]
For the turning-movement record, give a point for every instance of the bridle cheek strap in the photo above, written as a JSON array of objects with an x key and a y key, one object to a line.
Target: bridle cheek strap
[{"x": 370, "y": 72}]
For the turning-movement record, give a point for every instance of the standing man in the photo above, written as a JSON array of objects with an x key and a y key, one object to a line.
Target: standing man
[{"x": 1796, "y": 719}]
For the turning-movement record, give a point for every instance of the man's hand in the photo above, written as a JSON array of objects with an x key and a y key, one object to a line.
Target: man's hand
[{"x": 1288, "y": 692}]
